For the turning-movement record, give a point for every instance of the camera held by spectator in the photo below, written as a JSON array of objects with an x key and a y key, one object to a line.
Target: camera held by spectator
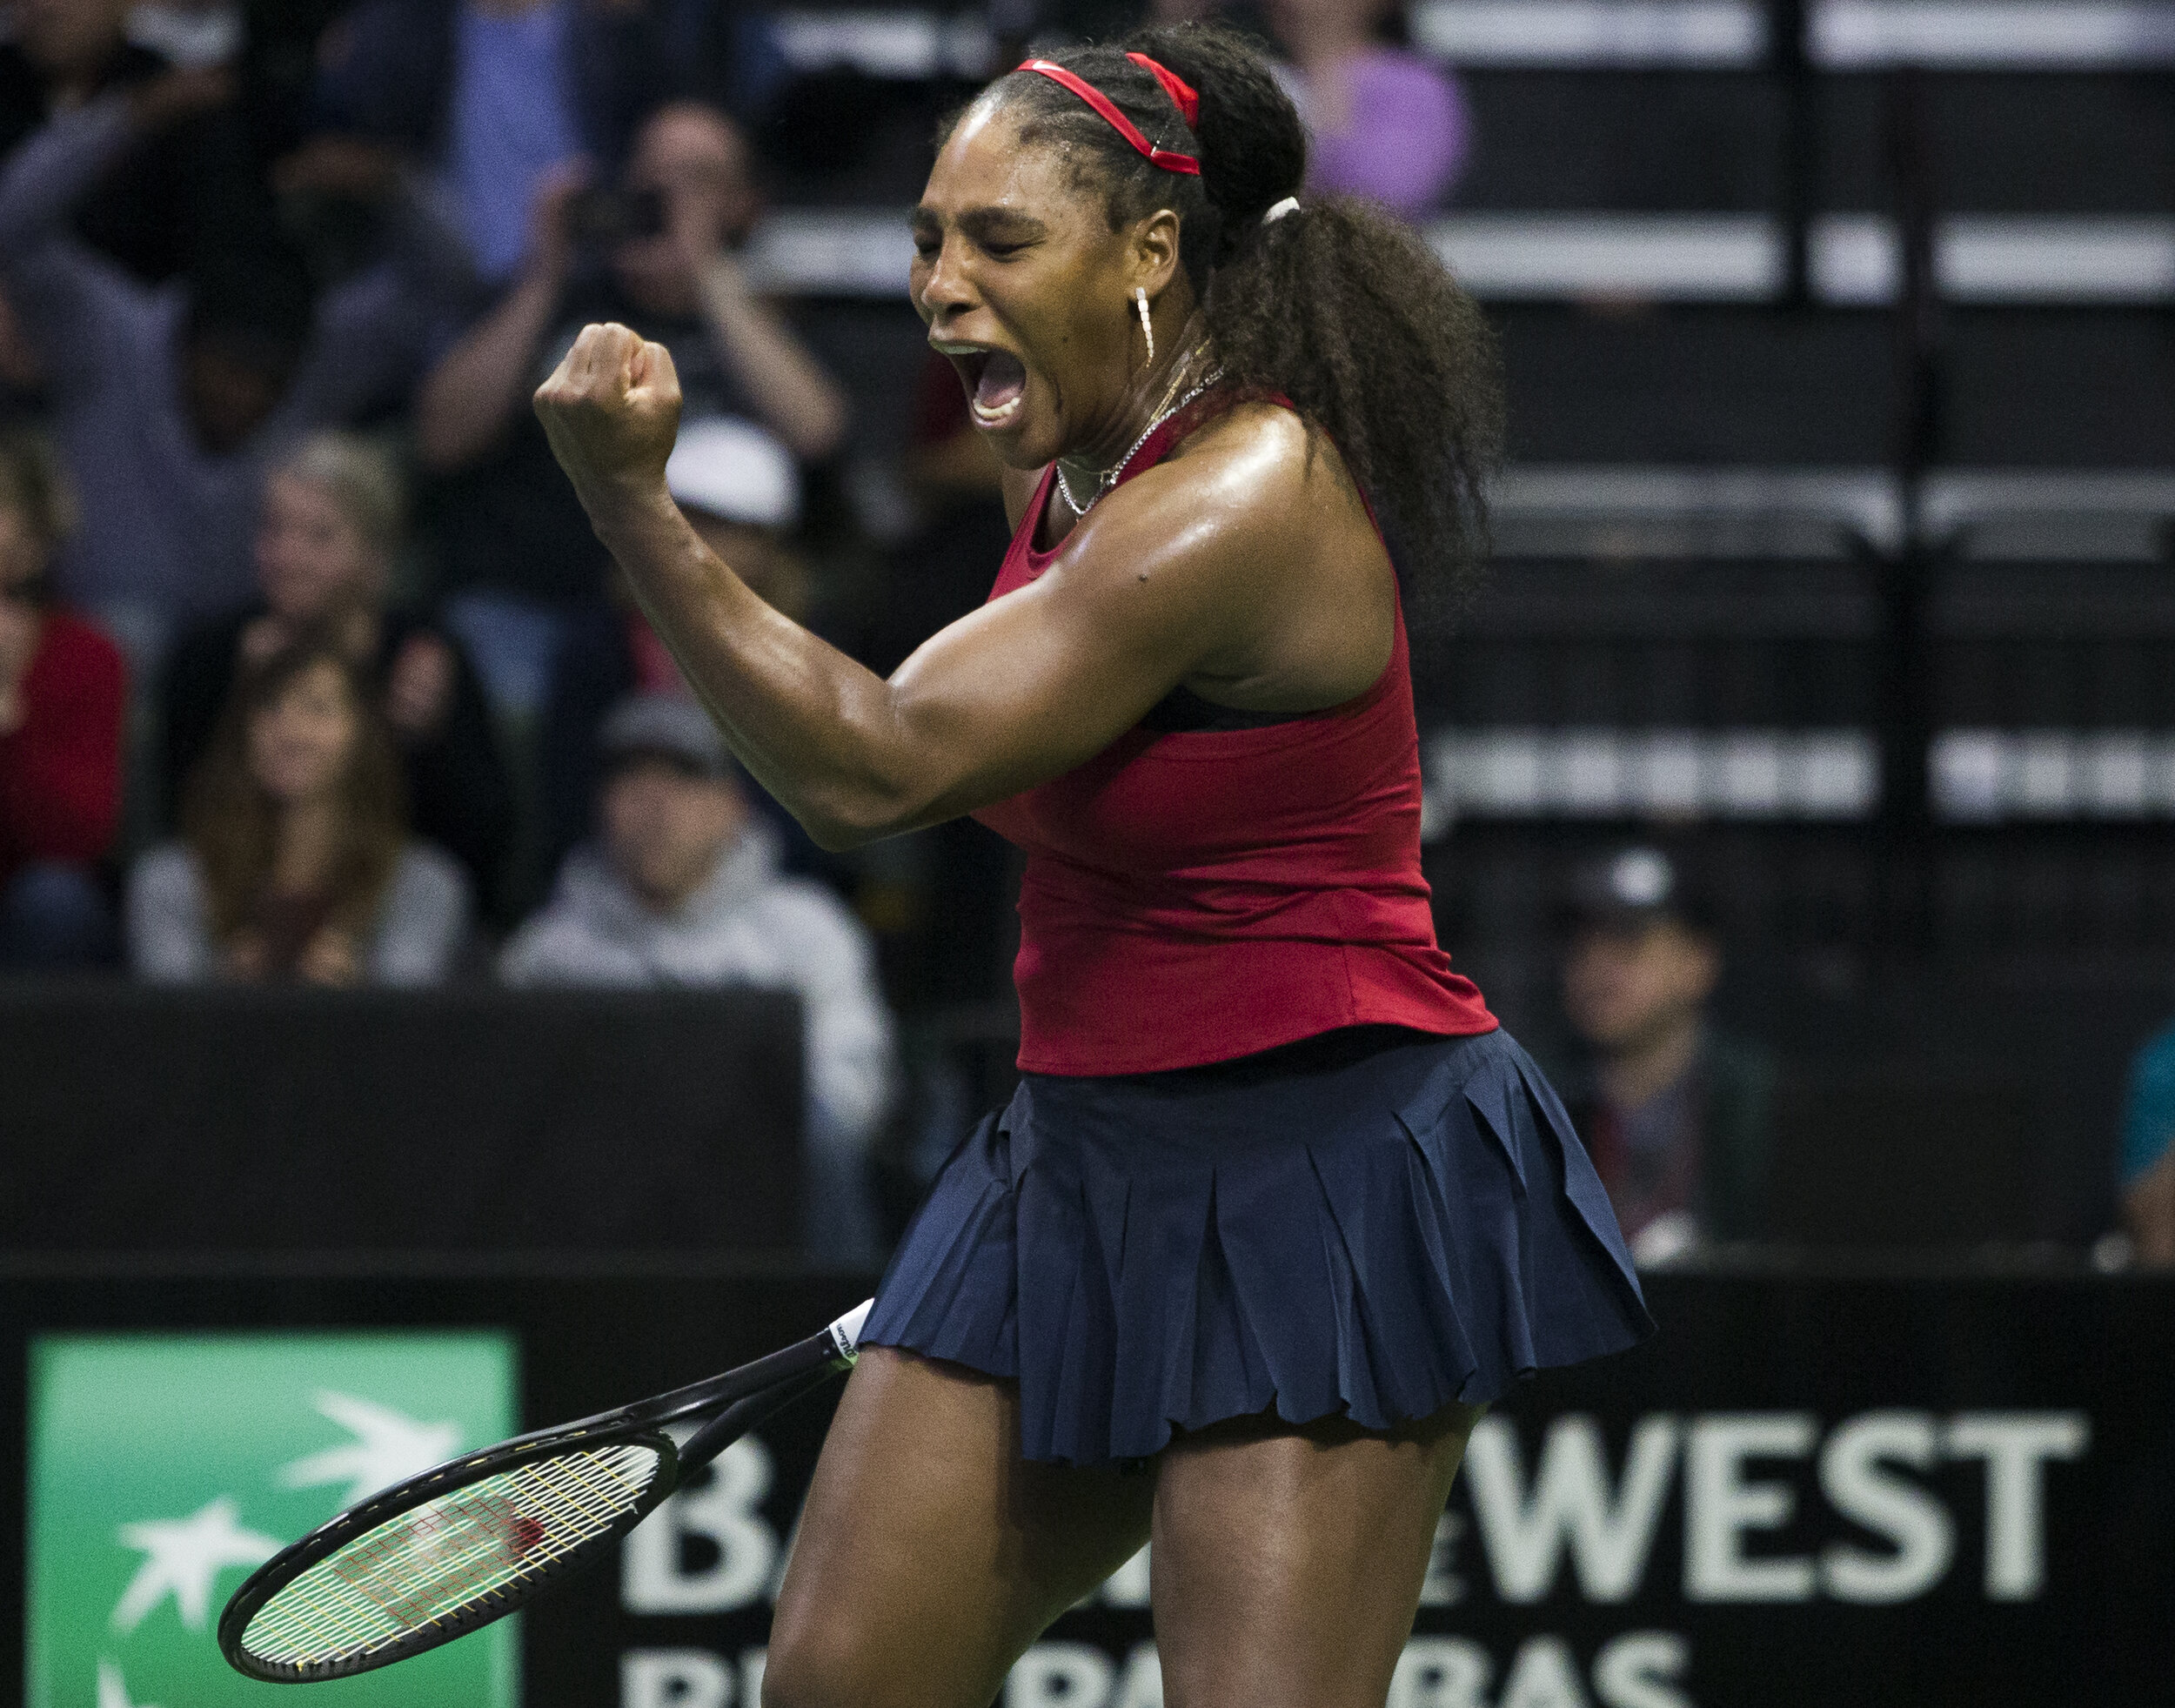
[{"x": 1674, "y": 1110}]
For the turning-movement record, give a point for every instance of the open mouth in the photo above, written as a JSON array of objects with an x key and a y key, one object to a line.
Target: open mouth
[{"x": 996, "y": 382}]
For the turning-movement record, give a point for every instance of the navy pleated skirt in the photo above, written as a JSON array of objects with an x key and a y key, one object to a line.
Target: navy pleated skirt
[{"x": 1370, "y": 1224}]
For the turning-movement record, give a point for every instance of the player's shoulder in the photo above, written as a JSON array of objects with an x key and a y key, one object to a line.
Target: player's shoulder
[
  {"x": 1264, "y": 470},
  {"x": 1243, "y": 494},
  {"x": 1255, "y": 441}
]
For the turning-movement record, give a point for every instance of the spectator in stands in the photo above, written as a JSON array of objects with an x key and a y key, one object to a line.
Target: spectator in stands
[
  {"x": 2148, "y": 1153},
  {"x": 152, "y": 210},
  {"x": 658, "y": 254},
  {"x": 327, "y": 536},
  {"x": 739, "y": 488},
  {"x": 1674, "y": 1110},
  {"x": 295, "y": 862},
  {"x": 681, "y": 888},
  {"x": 64, "y": 698},
  {"x": 168, "y": 403},
  {"x": 1382, "y": 121}
]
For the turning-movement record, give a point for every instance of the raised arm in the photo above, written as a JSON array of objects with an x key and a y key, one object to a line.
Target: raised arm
[{"x": 1215, "y": 574}]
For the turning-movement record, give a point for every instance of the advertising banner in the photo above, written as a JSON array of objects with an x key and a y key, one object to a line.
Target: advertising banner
[
  {"x": 164, "y": 1468},
  {"x": 1907, "y": 1492}
]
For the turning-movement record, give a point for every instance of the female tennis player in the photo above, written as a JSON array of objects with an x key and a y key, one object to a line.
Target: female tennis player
[{"x": 1277, "y": 1207}]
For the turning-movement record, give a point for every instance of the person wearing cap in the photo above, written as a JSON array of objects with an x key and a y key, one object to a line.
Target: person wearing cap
[
  {"x": 681, "y": 886},
  {"x": 1674, "y": 1110}
]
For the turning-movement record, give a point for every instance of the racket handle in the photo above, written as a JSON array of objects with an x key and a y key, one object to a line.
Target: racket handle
[
  {"x": 846, "y": 1333},
  {"x": 737, "y": 1419}
]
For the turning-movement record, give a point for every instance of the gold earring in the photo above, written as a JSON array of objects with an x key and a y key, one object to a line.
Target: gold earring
[{"x": 1140, "y": 300}]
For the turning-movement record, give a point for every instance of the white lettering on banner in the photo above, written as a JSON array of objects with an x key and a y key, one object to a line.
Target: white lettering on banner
[
  {"x": 1141, "y": 1683},
  {"x": 1127, "y": 1586},
  {"x": 1443, "y": 1587},
  {"x": 1060, "y": 1675},
  {"x": 725, "y": 1513},
  {"x": 1722, "y": 1503},
  {"x": 2015, "y": 1445},
  {"x": 1441, "y": 1672},
  {"x": 752, "y": 1664},
  {"x": 1544, "y": 1676},
  {"x": 674, "y": 1679},
  {"x": 1611, "y": 1532},
  {"x": 1639, "y": 1670},
  {"x": 1908, "y": 1516}
]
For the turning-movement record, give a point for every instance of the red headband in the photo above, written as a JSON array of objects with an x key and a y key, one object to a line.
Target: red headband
[{"x": 1174, "y": 86}]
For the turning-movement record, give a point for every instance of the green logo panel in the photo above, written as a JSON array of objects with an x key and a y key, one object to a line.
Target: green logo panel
[{"x": 164, "y": 1468}]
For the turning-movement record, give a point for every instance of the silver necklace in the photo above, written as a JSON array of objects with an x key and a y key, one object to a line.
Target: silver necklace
[{"x": 1107, "y": 480}]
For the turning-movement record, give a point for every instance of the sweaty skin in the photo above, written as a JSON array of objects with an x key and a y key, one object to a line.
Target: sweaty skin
[{"x": 1245, "y": 567}]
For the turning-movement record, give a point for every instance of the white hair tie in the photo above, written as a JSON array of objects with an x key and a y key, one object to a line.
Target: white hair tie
[{"x": 1290, "y": 204}]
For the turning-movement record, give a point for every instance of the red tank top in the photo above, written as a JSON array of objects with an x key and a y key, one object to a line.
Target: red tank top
[{"x": 1195, "y": 896}]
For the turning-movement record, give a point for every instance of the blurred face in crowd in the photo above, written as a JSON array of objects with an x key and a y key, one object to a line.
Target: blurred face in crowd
[
  {"x": 228, "y": 393},
  {"x": 665, "y": 829},
  {"x": 300, "y": 743},
  {"x": 311, "y": 557},
  {"x": 698, "y": 164},
  {"x": 65, "y": 39},
  {"x": 1626, "y": 986}
]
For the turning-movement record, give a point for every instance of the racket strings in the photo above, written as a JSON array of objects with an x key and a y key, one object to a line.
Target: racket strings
[{"x": 434, "y": 1561}]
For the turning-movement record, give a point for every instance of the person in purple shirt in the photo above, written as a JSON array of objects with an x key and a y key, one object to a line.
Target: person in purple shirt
[{"x": 1383, "y": 122}]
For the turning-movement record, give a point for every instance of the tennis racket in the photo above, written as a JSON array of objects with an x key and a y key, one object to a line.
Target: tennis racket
[{"x": 450, "y": 1551}]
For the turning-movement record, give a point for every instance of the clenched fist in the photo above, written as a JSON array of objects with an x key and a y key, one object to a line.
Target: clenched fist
[{"x": 612, "y": 412}]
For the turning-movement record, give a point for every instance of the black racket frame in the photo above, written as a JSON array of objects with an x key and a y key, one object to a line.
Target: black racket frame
[{"x": 739, "y": 1398}]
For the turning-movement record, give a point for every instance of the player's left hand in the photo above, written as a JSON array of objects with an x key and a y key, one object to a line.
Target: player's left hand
[{"x": 612, "y": 412}]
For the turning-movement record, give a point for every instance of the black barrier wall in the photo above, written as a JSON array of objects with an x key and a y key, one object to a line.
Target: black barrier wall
[
  {"x": 1906, "y": 1490},
  {"x": 375, "y": 1120}
]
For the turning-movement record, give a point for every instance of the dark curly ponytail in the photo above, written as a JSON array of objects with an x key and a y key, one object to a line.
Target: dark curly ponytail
[{"x": 1338, "y": 306}]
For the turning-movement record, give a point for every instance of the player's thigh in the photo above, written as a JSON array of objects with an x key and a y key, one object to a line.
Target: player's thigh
[
  {"x": 930, "y": 1554},
  {"x": 1287, "y": 1565}
]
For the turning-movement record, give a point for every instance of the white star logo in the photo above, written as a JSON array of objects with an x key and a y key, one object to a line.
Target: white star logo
[
  {"x": 389, "y": 1448},
  {"x": 113, "y": 1689},
  {"x": 181, "y": 1557}
]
